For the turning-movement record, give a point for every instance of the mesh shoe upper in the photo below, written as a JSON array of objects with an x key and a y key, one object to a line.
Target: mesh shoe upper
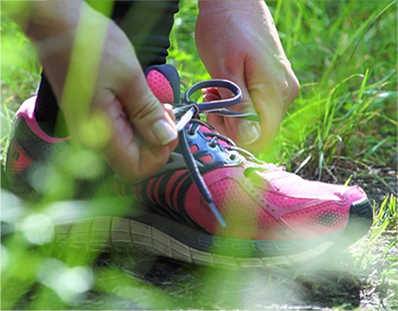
[{"x": 257, "y": 200}]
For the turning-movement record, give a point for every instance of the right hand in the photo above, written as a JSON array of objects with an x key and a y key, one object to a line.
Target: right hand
[
  {"x": 97, "y": 79},
  {"x": 238, "y": 41}
]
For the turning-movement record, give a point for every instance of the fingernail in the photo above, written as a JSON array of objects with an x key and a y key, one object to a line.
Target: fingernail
[
  {"x": 167, "y": 107},
  {"x": 164, "y": 132},
  {"x": 248, "y": 132}
]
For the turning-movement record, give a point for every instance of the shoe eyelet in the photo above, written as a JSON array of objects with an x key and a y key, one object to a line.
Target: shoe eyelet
[
  {"x": 192, "y": 134},
  {"x": 233, "y": 156},
  {"x": 211, "y": 146}
]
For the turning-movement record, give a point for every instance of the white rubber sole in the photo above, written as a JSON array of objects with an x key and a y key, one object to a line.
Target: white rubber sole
[{"x": 108, "y": 233}]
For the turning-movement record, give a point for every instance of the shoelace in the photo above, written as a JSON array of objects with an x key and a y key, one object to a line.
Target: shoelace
[{"x": 188, "y": 113}]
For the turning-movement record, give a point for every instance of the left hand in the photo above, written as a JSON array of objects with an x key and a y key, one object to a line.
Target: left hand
[{"x": 238, "y": 41}]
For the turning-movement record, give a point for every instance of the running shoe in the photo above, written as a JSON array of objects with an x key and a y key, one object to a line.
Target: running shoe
[{"x": 213, "y": 203}]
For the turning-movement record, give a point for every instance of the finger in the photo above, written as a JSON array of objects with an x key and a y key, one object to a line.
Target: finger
[
  {"x": 146, "y": 113},
  {"x": 271, "y": 101},
  {"x": 130, "y": 158},
  {"x": 169, "y": 110},
  {"x": 246, "y": 133},
  {"x": 210, "y": 94},
  {"x": 243, "y": 132}
]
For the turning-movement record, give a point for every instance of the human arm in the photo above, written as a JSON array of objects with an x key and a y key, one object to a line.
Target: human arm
[{"x": 97, "y": 80}]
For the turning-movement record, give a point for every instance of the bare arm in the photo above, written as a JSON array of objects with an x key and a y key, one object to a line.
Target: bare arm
[{"x": 96, "y": 77}]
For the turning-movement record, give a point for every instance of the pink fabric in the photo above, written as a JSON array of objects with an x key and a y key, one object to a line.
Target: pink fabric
[
  {"x": 194, "y": 148},
  {"x": 293, "y": 185},
  {"x": 354, "y": 194},
  {"x": 148, "y": 190},
  {"x": 175, "y": 203},
  {"x": 284, "y": 201},
  {"x": 245, "y": 217},
  {"x": 160, "y": 87},
  {"x": 316, "y": 220},
  {"x": 206, "y": 159},
  {"x": 286, "y": 210},
  {"x": 170, "y": 185},
  {"x": 26, "y": 111},
  {"x": 20, "y": 161},
  {"x": 155, "y": 193},
  {"x": 197, "y": 209}
]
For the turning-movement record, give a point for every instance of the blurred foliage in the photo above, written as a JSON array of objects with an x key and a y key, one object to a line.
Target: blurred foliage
[{"x": 344, "y": 54}]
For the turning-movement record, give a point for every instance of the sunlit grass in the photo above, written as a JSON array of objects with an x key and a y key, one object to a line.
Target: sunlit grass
[{"x": 342, "y": 124}]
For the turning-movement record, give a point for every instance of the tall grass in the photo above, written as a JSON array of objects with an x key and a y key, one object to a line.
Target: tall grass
[{"x": 343, "y": 123}]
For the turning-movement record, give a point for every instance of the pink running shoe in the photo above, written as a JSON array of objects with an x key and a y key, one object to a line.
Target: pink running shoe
[{"x": 213, "y": 203}]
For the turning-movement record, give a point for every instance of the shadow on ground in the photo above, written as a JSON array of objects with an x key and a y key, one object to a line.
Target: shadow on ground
[{"x": 192, "y": 287}]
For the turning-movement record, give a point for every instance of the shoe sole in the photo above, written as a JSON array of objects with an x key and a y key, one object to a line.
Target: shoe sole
[{"x": 160, "y": 236}]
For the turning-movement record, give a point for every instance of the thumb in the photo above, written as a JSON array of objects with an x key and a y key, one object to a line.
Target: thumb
[
  {"x": 147, "y": 114},
  {"x": 246, "y": 133}
]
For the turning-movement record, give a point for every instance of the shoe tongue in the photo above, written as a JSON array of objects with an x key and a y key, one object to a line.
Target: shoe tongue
[{"x": 164, "y": 81}]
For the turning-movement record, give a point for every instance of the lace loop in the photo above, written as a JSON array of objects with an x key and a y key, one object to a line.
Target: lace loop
[{"x": 216, "y": 104}]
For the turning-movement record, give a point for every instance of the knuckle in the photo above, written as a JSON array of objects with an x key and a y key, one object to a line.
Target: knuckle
[
  {"x": 294, "y": 86},
  {"x": 289, "y": 87},
  {"x": 148, "y": 110}
]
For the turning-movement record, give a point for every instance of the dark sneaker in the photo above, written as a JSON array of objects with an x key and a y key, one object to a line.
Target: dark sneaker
[{"x": 213, "y": 203}]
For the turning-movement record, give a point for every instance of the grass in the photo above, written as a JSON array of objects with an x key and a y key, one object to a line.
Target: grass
[{"x": 342, "y": 128}]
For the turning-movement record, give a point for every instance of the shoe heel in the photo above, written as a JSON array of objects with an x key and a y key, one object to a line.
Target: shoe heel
[{"x": 18, "y": 167}]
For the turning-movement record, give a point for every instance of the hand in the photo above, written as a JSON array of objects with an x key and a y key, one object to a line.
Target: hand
[
  {"x": 101, "y": 88},
  {"x": 237, "y": 40}
]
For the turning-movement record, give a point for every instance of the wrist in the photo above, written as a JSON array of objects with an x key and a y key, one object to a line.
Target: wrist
[{"x": 41, "y": 20}]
